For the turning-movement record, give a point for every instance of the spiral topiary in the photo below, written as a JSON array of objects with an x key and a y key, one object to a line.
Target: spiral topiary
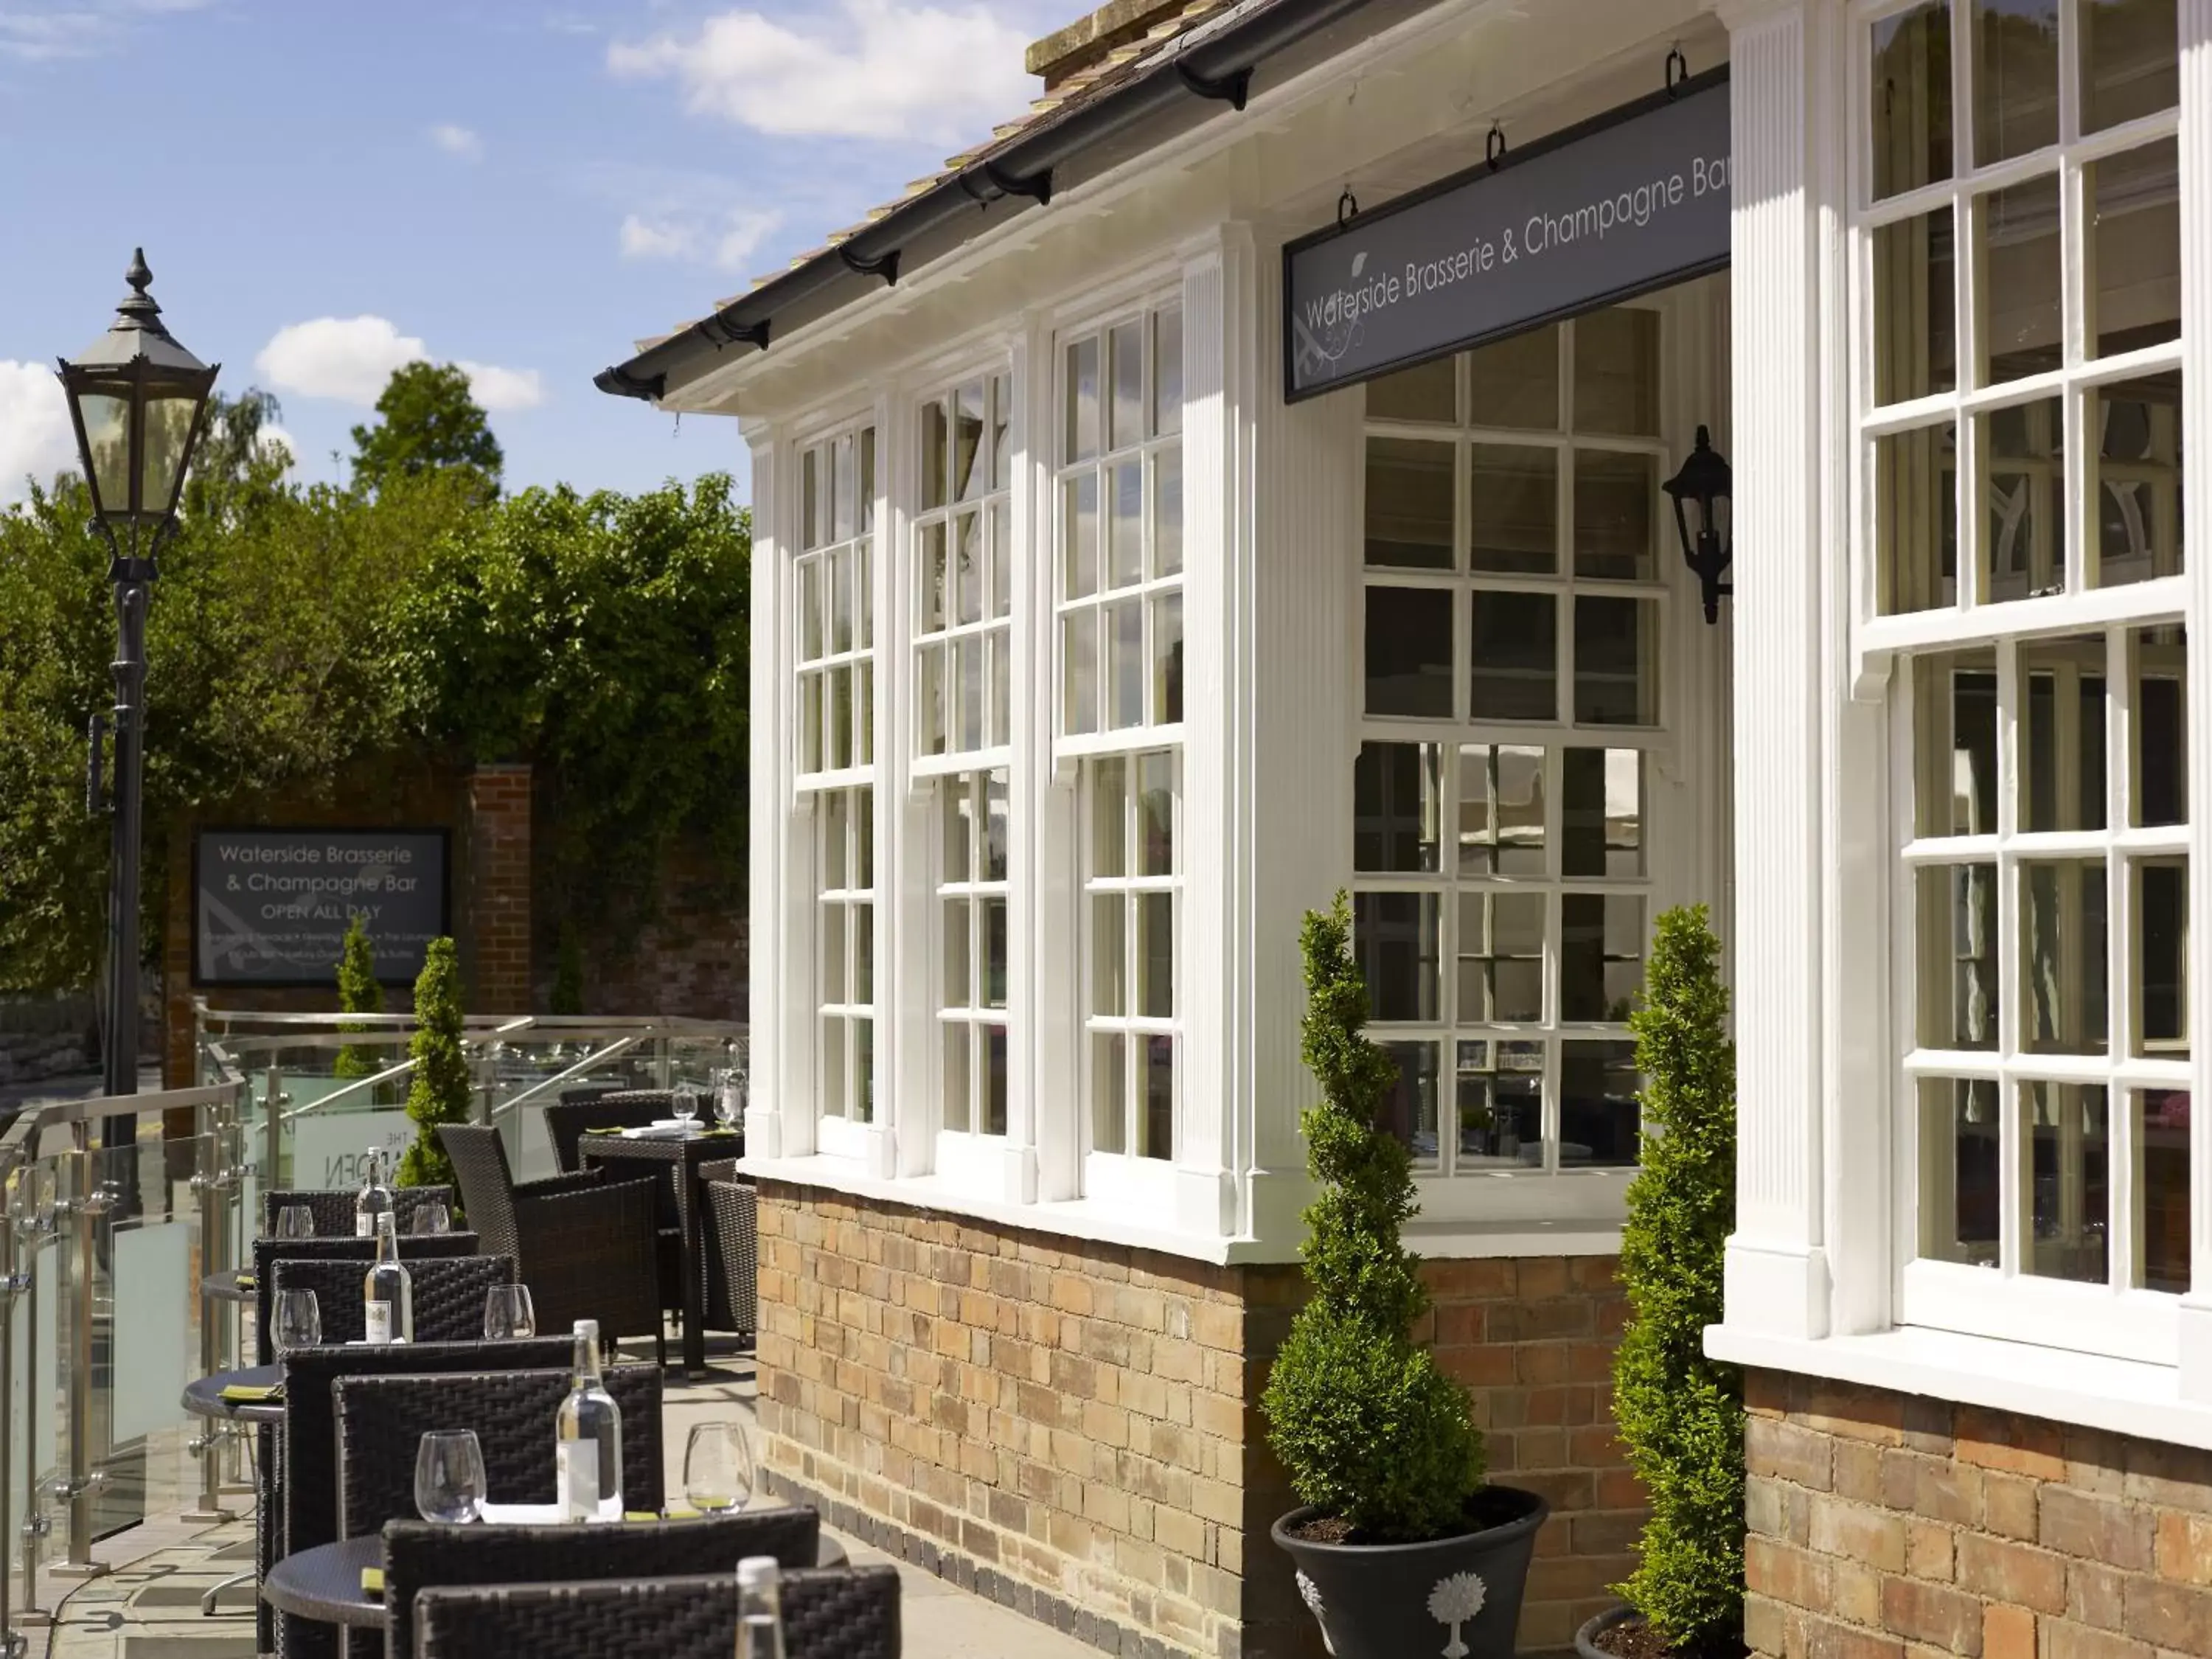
[
  {"x": 359, "y": 992},
  {"x": 439, "y": 1091}
]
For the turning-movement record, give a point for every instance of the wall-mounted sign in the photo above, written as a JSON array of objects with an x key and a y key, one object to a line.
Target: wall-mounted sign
[
  {"x": 1617, "y": 206},
  {"x": 270, "y": 907}
]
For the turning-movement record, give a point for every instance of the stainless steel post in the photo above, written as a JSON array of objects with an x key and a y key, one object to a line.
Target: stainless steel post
[
  {"x": 38, "y": 1228},
  {"x": 274, "y": 1100},
  {"x": 13, "y": 1284},
  {"x": 77, "y": 1488},
  {"x": 208, "y": 1444}
]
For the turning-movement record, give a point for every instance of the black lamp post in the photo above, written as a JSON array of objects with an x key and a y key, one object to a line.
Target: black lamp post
[
  {"x": 137, "y": 398},
  {"x": 1700, "y": 490}
]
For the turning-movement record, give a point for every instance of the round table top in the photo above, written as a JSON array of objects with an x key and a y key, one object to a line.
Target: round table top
[
  {"x": 225, "y": 1287},
  {"x": 204, "y": 1397},
  {"x": 323, "y": 1583}
]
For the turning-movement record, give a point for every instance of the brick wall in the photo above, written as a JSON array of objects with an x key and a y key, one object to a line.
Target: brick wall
[
  {"x": 1889, "y": 1526},
  {"x": 496, "y": 966},
  {"x": 1073, "y": 1428}
]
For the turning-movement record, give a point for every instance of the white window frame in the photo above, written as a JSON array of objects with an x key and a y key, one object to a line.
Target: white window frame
[
  {"x": 991, "y": 631},
  {"x": 2114, "y": 1318}
]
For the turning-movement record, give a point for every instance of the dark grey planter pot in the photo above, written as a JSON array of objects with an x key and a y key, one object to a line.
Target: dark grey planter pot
[
  {"x": 1458, "y": 1598},
  {"x": 1586, "y": 1645}
]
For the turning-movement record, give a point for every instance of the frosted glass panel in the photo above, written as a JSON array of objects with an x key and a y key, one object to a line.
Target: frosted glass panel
[{"x": 154, "y": 1334}]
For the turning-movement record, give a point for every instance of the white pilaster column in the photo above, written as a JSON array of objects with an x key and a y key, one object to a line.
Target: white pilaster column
[
  {"x": 1777, "y": 1271},
  {"x": 1215, "y": 995},
  {"x": 1028, "y": 774},
  {"x": 2197, "y": 435}
]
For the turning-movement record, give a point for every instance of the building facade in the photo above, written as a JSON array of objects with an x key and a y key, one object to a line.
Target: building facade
[{"x": 1116, "y": 601}]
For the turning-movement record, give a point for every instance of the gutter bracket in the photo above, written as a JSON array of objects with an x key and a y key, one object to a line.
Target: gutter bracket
[
  {"x": 884, "y": 265},
  {"x": 619, "y": 382},
  {"x": 1038, "y": 186},
  {"x": 1231, "y": 88},
  {"x": 722, "y": 332}
]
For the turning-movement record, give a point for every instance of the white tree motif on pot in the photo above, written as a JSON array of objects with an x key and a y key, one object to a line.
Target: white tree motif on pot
[
  {"x": 1454, "y": 1601},
  {"x": 1309, "y": 1593}
]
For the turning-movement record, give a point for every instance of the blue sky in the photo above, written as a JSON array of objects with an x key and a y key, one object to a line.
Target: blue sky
[{"x": 326, "y": 188}]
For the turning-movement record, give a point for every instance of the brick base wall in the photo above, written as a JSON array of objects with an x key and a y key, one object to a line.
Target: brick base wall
[
  {"x": 1889, "y": 1526},
  {"x": 1073, "y": 1429}
]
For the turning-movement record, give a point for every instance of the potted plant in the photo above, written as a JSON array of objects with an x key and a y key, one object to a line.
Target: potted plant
[
  {"x": 1401, "y": 1547},
  {"x": 439, "y": 1091},
  {"x": 1680, "y": 1414}
]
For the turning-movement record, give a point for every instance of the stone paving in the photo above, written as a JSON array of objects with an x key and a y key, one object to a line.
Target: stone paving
[{"x": 148, "y": 1606}]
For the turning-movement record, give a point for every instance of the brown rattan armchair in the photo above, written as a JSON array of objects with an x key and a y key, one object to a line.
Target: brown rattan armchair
[{"x": 587, "y": 1249}]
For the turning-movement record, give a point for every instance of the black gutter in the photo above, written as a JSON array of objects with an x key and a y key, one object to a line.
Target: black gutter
[{"x": 1216, "y": 68}]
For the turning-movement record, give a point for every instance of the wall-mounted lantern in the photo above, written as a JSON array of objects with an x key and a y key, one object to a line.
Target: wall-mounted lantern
[{"x": 1700, "y": 491}]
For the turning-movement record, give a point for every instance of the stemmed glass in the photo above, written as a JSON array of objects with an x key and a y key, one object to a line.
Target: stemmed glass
[
  {"x": 726, "y": 1099},
  {"x": 686, "y": 1103},
  {"x": 449, "y": 1475},
  {"x": 432, "y": 1217},
  {"x": 296, "y": 1320},
  {"x": 507, "y": 1313},
  {"x": 296, "y": 1221},
  {"x": 718, "y": 1468}
]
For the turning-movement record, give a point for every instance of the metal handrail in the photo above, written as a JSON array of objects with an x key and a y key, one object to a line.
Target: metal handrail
[{"x": 597, "y": 1058}]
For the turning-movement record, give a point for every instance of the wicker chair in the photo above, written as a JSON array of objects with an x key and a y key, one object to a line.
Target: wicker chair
[
  {"x": 419, "y": 1555},
  {"x": 583, "y": 1109},
  {"x": 269, "y": 1251},
  {"x": 333, "y": 1207},
  {"x": 588, "y": 1249},
  {"x": 306, "y": 1495},
  {"x": 828, "y": 1613},
  {"x": 733, "y": 1251},
  {"x": 381, "y": 1421},
  {"x": 447, "y": 1293}
]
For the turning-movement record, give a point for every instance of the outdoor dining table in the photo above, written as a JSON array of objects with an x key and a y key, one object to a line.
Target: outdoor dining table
[
  {"x": 204, "y": 1397},
  {"x": 324, "y": 1584},
  {"x": 675, "y": 1161}
]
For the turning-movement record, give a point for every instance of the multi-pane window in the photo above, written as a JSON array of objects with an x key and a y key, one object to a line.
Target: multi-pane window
[
  {"x": 2020, "y": 238},
  {"x": 834, "y": 658},
  {"x": 971, "y": 903},
  {"x": 1120, "y": 594},
  {"x": 964, "y": 569},
  {"x": 1118, "y": 588},
  {"x": 1510, "y": 698},
  {"x": 1131, "y": 887}
]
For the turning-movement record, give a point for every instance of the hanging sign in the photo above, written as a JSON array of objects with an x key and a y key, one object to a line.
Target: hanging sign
[
  {"x": 270, "y": 907},
  {"x": 1615, "y": 207}
]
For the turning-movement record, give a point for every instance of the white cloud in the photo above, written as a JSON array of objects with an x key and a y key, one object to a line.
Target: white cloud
[
  {"x": 730, "y": 241},
  {"x": 278, "y": 437},
  {"x": 458, "y": 141},
  {"x": 350, "y": 358},
  {"x": 43, "y": 31},
  {"x": 497, "y": 388},
  {"x": 35, "y": 440},
  {"x": 869, "y": 68}
]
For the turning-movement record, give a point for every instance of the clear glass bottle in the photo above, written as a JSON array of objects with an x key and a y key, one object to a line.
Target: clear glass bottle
[
  {"x": 388, "y": 1291},
  {"x": 760, "y": 1608},
  {"x": 374, "y": 1198},
  {"x": 588, "y": 1439}
]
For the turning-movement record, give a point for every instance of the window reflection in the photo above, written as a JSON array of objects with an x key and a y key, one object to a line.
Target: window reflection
[
  {"x": 1958, "y": 931},
  {"x": 1397, "y": 806},
  {"x": 1910, "y": 103},
  {"x": 1409, "y": 1112},
  {"x": 2063, "y": 938},
  {"x": 1399, "y": 944},
  {"x": 2016, "y": 77},
  {"x": 1959, "y": 1154},
  {"x": 2070, "y": 1185},
  {"x": 2161, "y": 1161},
  {"x": 1501, "y": 1104},
  {"x": 1955, "y": 713},
  {"x": 1600, "y": 1120}
]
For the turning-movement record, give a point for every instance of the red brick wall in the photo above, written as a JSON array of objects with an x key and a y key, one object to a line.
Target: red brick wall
[
  {"x": 1073, "y": 1429},
  {"x": 495, "y": 959},
  {"x": 1890, "y": 1526}
]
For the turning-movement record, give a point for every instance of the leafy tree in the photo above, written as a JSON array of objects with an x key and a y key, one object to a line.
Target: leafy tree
[
  {"x": 1681, "y": 1414},
  {"x": 431, "y": 420},
  {"x": 1371, "y": 1432},
  {"x": 439, "y": 1091},
  {"x": 359, "y": 992}
]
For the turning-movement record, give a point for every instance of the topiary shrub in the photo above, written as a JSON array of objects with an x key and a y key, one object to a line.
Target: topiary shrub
[
  {"x": 440, "y": 1090},
  {"x": 1680, "y": 1414},
  {"x": 1373, "y": 1434},
  {"x": 359, "y": 992}
]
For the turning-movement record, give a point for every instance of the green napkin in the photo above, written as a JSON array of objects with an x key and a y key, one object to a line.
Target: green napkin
[
  {"x": 251, "y": 1392},
  {"x": 246, "y": 1281},
  {"x": 673, "y": 1513},
  {"x": 372, "y": 1581},
  {"x": 611, "y": 1129}
]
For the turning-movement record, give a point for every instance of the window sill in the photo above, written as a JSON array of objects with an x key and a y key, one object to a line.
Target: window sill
[{"x": 2122, "y": 1396}]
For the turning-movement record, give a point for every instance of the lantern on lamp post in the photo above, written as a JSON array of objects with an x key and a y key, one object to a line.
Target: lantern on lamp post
[
  {"x": 1700, "y": 493},
  {"x": 137, "y": 398}
]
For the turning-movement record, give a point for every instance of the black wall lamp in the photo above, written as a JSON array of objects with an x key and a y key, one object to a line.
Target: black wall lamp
[{"x": 1700, "y": 490}]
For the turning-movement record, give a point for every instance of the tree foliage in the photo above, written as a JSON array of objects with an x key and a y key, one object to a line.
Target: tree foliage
[
  {"x": 430, "y": 422},
  {"x": 1681, "y": 1414},
  {"x": 359, "y": 992},
  {"x": 1370, "y": 1429},
  {"x": 438, "y": 1091}
]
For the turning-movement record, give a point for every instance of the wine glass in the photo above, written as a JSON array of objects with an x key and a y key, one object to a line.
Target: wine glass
[
  {"x": 718, "y": 1468},
  {"x": 296, "y": 1221},
  {"x": 449, "y": 1475},
  {"x": 507, "y": 1313},
  {"x": 432, "y": 1217},
  {"x": 296, "y": 1320},
  {"x": 686, "y": 1103}
]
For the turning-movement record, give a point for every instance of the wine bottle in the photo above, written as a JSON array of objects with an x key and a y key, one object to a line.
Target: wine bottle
[
  {"x": 388, "y": 1291},
  {"x": 588, "y": 1439},
  {"x": 374, "y": 1198},
  {"x": 760, "y": 1608}
]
